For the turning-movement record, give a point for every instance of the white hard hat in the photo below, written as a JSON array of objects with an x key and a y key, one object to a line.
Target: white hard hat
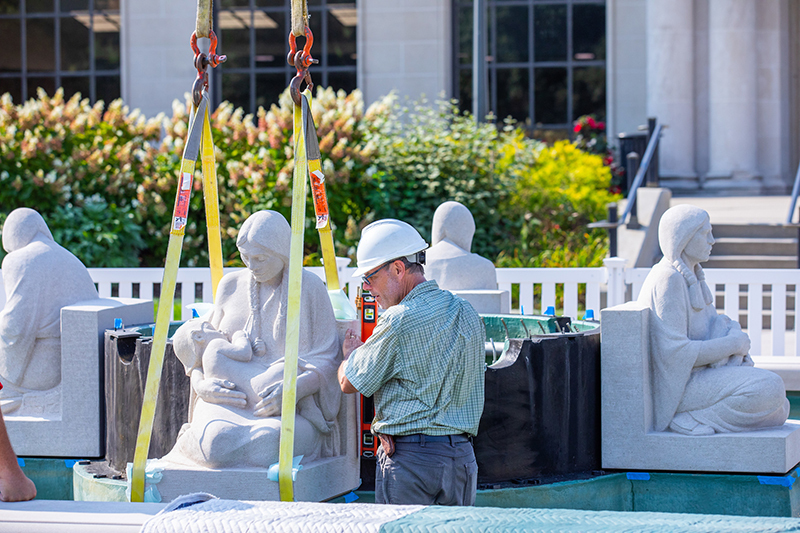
[{"x": 385, "y": 240}]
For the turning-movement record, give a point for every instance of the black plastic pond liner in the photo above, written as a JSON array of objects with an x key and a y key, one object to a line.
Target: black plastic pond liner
[
  {"x": 541, "y": 415},
  {"x": 127, "y": 356}
]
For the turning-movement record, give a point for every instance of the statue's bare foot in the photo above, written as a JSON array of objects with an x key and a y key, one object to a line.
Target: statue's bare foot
[{"x": 684, "y": 424}]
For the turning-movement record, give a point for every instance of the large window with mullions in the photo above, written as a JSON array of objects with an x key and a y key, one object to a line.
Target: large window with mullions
[
  {"x": 72, "y": 44},
  {"x": 254, "y": 36},
  {"x": 545, "y": 61}
]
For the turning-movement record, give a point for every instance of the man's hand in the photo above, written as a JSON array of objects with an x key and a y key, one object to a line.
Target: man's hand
[
  {"x": 351, "y": 341},
  {"x": 271, "y": 401}
]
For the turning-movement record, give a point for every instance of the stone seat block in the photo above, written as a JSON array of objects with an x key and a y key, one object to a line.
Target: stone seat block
[
  {"x": 487, "y": 302},
  {"x": 628, "y": 439},
  {"x": 72, "y": 425}
]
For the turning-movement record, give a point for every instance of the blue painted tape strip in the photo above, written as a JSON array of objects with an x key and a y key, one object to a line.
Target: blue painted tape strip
[
  {"x": 639, "y": 476},
  {"x": 69, "y": 463},
  {"x": 784, "y": 481},
  {"x": 350, "y": 498},
  {"x": 21, "y": 461}
]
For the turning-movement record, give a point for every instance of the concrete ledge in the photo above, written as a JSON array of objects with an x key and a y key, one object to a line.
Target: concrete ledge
[
  {"x": 788, "y": 368},
  {"x": 46, "y": 516}
]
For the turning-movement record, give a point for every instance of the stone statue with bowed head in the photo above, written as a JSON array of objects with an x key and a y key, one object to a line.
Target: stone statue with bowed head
[
  {"x": 703, "y": 378},
  {"x": 40, "y": 277},
  {"x": 449, "y": 260},
  {"x": 236, "y": 359}
]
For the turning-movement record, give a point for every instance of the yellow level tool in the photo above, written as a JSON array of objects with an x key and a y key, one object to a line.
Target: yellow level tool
[{"x": 199, "y": 135}]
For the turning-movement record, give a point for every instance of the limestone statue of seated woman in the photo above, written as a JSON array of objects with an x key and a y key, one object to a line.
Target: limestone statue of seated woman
[
  {"x": 40, "y": 277},
  {"x": 703, "y": 379},
  {"x": 236, "y": 361}
]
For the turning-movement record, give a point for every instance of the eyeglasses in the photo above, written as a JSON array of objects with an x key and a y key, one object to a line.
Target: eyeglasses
[{"x": 366, "y": 280}]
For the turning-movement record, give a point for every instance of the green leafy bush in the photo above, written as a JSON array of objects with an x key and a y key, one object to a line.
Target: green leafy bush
[
  {"x": 105, "y": 178},
  {"x": 553, "y": 202},
  {"x": 427, "y": 155}
]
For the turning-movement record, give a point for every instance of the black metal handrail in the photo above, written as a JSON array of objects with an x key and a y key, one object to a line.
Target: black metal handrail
[
  {"x": 792, "y": 205},
  {"x": 612, "y": 223}
]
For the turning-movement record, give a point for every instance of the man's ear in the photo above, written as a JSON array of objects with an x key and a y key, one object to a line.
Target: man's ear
[{"x": 399, "y": 268}]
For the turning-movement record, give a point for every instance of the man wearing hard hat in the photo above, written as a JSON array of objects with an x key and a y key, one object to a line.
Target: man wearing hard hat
[{"x": 424, "y": 365}]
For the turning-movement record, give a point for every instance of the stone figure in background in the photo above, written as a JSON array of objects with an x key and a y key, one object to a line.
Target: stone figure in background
[
  {"x": 703, "y": 378},
  {"x": 448, "y": 260},
  {"x": 236, "y": 361},
  {"x": 40, "y": 277}
]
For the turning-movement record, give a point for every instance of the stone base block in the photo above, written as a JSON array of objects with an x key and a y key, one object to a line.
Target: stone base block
[
  {"x": 74, "y": 427},
  {"x": 487, "y": 302},
  {"x": 319, "y": 481},
  {"x": 628, "y": 439}
]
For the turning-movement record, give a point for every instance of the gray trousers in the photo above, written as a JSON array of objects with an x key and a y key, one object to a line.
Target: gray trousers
[{"x": 427, "y": 473}]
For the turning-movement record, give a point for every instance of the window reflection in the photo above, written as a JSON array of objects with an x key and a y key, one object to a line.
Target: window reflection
[
  {"x": 512, "y": 41},
  {"x": 550, "y": 32},
  {"x": 59, "y": 51},
  {"x": 40, "y": 45},
  {"x": 562, "y": 79}
]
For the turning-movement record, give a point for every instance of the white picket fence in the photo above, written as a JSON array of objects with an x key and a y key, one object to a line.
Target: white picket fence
[{"x": 571, "y": 291}]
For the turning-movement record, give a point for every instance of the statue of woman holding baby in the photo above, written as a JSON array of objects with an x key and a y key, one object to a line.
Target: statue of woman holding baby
[
  {"x": 704, "y": 381},
  {"x": 235, "y": 360}
]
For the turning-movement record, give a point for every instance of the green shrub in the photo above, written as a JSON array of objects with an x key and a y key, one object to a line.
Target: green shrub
[
  {"x": 105, "y": 178},
  {"x": 553, "y": 202},
  {"x": 427, "y": 155}
]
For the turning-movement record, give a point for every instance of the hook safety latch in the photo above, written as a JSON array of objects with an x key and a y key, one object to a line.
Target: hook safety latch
[
  {"x": 301, "y": 60},
  {"x": 201, "y": 63}
]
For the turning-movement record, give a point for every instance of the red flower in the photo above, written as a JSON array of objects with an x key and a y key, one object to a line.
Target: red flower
[
  {"x": 601, "y": 126},
  {"x": 577, "y": 128},
  {"x": 590, "y": 121}
]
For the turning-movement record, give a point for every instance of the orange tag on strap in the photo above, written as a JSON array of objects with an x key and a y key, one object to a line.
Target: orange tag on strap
[{"x": 320, "y": 199}]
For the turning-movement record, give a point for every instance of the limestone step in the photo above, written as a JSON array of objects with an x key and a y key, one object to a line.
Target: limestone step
[
  {"x": 751, "y": 261},
  {"x": 781, "y": 246},
  {"x": 766, "y": 231}
]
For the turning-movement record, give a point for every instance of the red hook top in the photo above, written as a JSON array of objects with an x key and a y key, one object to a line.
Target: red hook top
[
  {"x": 307, "y": 60},
  {"x": 300, "y": 60},
  {"x": 201, "y": 63}
]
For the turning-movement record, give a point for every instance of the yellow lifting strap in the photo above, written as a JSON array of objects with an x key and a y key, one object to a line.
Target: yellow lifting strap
[
  {"x": 299, "y": 17},
  {"x": 289, "y": 400},
  {"x": 199, "y": 136},
  {"x": 205, "y": 8}
]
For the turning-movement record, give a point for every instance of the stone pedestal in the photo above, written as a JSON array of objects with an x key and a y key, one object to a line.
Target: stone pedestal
[
  {"x": 628, "y": 440},
  {"x": 487, "y": 302},
  {"x": 75, "y": 428},
  {"x": 317, "y": 481}
]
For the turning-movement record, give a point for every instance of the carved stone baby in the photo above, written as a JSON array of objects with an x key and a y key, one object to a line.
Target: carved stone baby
[{"x": 703, "y": 378}]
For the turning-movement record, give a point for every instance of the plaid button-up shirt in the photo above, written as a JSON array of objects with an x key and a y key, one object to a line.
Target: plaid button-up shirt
[{"x": 424, "y": 365}]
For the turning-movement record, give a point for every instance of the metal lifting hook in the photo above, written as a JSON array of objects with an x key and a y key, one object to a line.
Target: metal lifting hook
[
  {"x": 301, "y": 60},
  {"x": 201, "y": 63}
]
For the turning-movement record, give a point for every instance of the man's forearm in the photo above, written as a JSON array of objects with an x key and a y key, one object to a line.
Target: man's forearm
[{"x": 344, "y": 383}]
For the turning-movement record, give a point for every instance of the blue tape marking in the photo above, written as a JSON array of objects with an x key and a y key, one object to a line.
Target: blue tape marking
[
  {"x": 21, "y": 461},
  {"x": 639, "y": 476},
  {"x": 69, "y": 463},
  {"x": 784, "y": 481},
  {"x": 550, "y": 311},
  {"x": 117, "y": 323},
  {"x": 350, "y": 498},
  {"x": 589, "y": 315}
]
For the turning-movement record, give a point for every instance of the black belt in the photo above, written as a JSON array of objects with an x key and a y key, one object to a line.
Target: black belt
[{"x": 422, "y": 438}]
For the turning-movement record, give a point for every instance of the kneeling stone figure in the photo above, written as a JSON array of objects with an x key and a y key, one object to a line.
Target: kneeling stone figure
[{"x": 703, "y": 379}]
